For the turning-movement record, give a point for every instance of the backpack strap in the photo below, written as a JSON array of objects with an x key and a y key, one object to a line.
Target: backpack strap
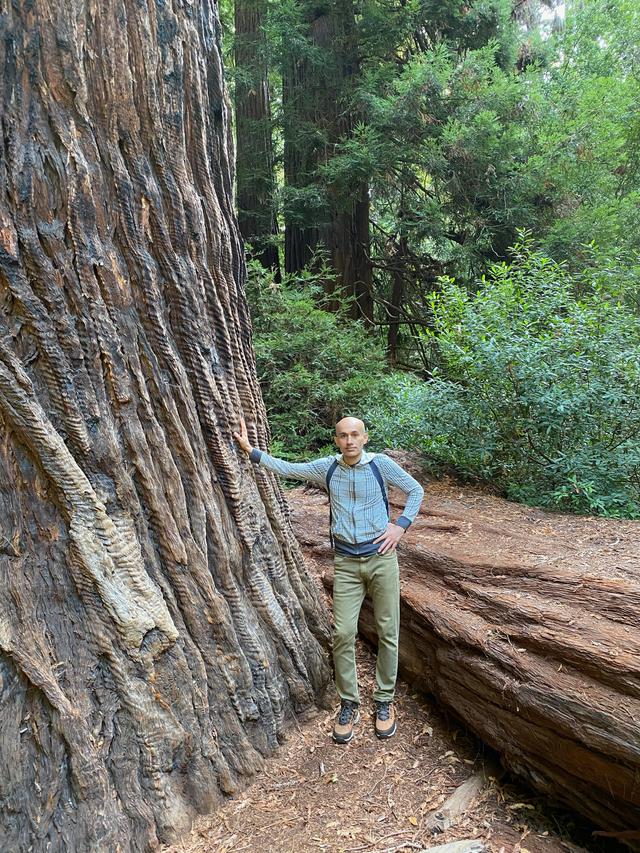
[
  {"x": 330, "y": 471},
  {"x": 328, "y": 477},
  {"x": 376, "y": 473}
]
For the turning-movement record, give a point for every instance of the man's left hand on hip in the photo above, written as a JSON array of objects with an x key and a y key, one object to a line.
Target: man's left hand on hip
[{"x": 390, "y": 538}]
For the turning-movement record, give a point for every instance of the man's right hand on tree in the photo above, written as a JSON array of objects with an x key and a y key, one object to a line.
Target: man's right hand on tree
[{"x": 242, "y": 437}]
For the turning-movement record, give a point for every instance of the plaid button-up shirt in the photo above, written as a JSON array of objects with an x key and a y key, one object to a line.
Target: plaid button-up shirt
[{"x": 358, "y": 510}]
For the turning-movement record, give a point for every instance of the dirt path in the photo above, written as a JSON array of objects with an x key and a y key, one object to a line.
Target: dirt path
[{"x": 373, "y": 796}]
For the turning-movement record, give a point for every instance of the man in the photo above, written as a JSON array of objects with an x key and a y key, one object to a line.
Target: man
[{"x": 365, "y": 559}]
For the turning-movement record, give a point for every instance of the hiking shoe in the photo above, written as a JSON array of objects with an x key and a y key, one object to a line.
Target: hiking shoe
[
  {"x": 345, "y": 721},
  {"x": 385, "y": 720}
]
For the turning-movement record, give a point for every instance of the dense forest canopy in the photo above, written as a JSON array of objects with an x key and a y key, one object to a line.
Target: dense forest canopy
[{"x": 446, "y": 232}]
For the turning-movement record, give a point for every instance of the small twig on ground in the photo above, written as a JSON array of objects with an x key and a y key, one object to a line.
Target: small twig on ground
[
  {"x": 288, "y": 784},
  {"x": 384, "y": 849},
  {"x": 278, "y": 822},
  {"x": 393, "y": 834},
  {"x": 381, "y": 779},
  {"x": 404, "y": 844},
  {"x": 391, "y": 803},
  {"x": 295, "y": 720}
]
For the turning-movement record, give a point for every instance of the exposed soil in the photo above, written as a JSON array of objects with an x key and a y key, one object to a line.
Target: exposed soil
[{"x": 372, "y": 796}]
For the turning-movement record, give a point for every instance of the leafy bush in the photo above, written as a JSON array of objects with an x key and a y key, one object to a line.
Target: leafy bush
[
  {"x": 536, "y": 390},
  {"x": 314, "y": 366}
]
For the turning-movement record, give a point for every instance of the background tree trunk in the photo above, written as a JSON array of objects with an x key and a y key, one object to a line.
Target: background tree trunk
[
  {"x": 300, "y": 154},
  {"x": 156, "y": 619},
  {"x": 255, "y": 180},
  {"x": 396, "y": 298},
  {"x": 317, "y": 95}
]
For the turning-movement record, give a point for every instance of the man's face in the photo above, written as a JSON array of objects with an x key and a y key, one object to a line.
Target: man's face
[{"x": 350, "y": 438}]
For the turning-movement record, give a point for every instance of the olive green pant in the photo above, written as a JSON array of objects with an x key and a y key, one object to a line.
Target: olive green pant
[{"x": 353, "y": 578}]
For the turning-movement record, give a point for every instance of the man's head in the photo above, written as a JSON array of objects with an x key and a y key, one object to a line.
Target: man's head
[{"x": 351, "y": 436}]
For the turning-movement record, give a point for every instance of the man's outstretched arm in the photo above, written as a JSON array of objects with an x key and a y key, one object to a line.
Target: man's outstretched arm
[{"x": 314, "y": 471}]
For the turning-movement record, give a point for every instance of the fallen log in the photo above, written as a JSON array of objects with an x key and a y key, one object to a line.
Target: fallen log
[{"x": 524, "y": 624}]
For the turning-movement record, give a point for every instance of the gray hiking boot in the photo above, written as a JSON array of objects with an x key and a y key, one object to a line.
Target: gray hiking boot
[
  {"x": 347, "y": 718},
  {"x": 385, "y": 720}
]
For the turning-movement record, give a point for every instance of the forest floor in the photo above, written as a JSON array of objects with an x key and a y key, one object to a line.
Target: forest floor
[{"x": 373, "y": 796}]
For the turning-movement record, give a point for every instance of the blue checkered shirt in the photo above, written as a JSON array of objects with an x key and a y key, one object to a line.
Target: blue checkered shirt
[{"x": 358, "y": 508}]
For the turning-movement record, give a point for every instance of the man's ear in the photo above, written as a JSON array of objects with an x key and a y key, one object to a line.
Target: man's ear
[
  {"x": 366, "y": 437},
  {"x": 335, "y": 439}
]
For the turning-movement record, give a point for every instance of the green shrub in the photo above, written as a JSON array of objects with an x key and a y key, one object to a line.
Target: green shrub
[
  {"x": 314, "y": 366},
  {"x": 536, "y": 390}
]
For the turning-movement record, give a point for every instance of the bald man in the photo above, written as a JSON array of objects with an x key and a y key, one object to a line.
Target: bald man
[{"x": 365, "y": 560}]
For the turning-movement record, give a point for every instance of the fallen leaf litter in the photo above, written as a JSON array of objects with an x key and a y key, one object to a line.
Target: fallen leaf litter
[{"x": 372, "y": 796}]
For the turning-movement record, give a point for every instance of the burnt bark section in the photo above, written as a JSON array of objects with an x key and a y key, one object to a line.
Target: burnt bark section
[
  {"x": 255, "y": 179},
  {"x": 538, "y": 654},
  {"x": 157, "y": 622},
  {"x": 318, "y": 114}
]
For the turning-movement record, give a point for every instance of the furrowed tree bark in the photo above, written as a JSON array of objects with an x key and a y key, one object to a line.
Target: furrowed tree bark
[
  {"x": 525, "y": 624},
  {"x": 255, "y": 181},
  {"x": 157, "y": 622}
]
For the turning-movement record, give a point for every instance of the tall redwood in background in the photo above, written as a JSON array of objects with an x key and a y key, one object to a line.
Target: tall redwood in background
[
  {"x": 318, "y": 88},
  {"x": 156, "y": 620},
  {"x": 255, "y": 179}
]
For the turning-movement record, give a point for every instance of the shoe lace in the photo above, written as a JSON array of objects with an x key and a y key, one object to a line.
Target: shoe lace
[
  {"x": 383, "y": 710},
  {"x": 346, "y": 712}
]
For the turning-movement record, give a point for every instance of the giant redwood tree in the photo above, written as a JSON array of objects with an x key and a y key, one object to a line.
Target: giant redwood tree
[{"x": 156, "y": 620}]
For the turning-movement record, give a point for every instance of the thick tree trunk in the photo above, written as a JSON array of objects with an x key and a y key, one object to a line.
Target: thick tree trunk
[
  {"x": 157, "y": 622},
  {"x": 255, "y": 179},
  {"x": 525, "y": 624},
  {"x": 346, "y": 237},
  {"x": 300, "y": 157},
  {"x": 318, "y": 115}
]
